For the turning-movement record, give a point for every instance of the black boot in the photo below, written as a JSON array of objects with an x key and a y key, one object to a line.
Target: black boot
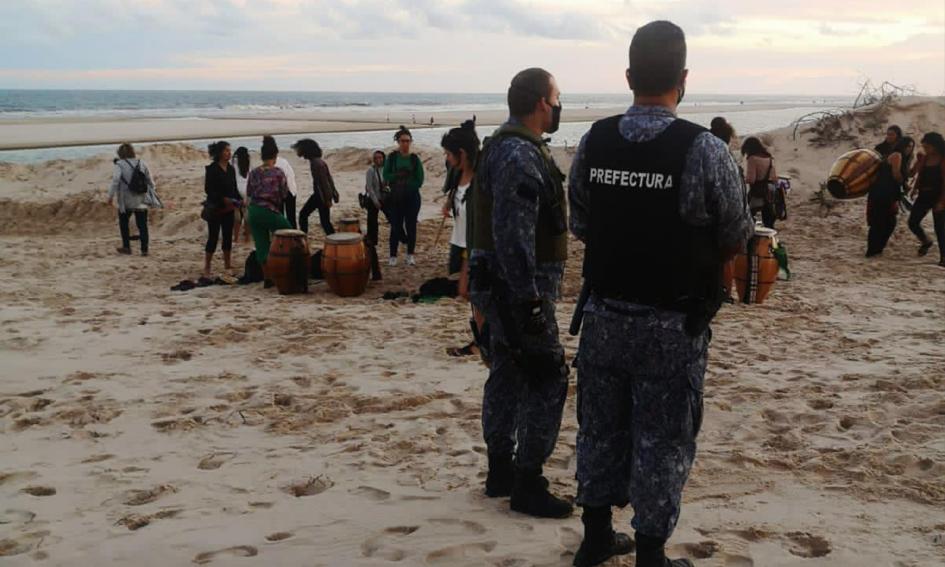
[
  {"x": 501, "y": 476},
  {"x": 530, "y": 496},
  {"x": 650, "y": 553},
  {"x": 601, "y": 542}
]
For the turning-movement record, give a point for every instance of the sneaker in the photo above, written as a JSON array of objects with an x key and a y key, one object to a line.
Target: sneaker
[
  {"x": 410, "y": 260},
  {"x": 392, "y": 261},
  {"x": 123, "y": 250},
  {"x": 924, "y": 248},
  {"x": 144, "y": 252}
]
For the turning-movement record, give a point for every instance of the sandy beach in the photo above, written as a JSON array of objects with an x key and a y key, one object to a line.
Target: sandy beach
[{"x": 229, "y": 425}]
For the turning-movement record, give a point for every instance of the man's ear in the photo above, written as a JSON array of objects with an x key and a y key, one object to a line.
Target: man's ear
[{"x": 629, "y": 80}]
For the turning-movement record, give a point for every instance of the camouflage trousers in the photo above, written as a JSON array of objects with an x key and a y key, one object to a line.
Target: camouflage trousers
[
  {"x": 640, "y": 380},
  {"x": 522, "y": 404}
]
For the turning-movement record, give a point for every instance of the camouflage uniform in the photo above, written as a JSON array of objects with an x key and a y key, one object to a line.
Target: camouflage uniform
[
  {"x": 640, "y": 375},
  {"x": 521, "y": 411}
]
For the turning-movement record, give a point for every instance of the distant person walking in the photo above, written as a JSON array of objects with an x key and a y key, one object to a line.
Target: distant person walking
[
  {"x": 760, "y": 175},
  {"x": 219, "y": 209},
  {"x": 267, "y": 189},
  {"x": 403, "y": 170},
  {"x": 929, "y": 194},
  {"x": 132, "y": 192},
  {"x": 288, "y": 205},
  {"x": 241, "y": 163},
  {"x": 882, "y": 203},
  {"x": 323, "y": 192}
]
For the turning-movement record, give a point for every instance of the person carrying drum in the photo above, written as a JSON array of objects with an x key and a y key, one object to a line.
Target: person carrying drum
[
  {"x": 517, "y": 236},
  {"x": 660, "y": 205}
]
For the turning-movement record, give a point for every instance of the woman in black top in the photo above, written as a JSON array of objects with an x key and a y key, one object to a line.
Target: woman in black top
[
  {"x": 882, "y": 204},
  {"x": 223, "y": 199},
  {"x": 930, "y": 187},
  {"x": 323, "y": 192}
]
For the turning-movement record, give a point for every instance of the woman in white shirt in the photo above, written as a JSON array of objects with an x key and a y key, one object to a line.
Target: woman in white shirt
[
  {"x": 289, "y": 202},
  {"x": 240, "y": 163},
  {"x": 461, "y": 147}
]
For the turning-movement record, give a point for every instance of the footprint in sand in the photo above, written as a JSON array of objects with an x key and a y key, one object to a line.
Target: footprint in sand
[
  {"x": 467, "y": 526},
  {"x": 39, "y": 490},
  {"x": 371, "y": 493},
  {"x": 236, "y": 551},
  {"x": 464, "y": 553},
  {"x": 309, "y": 487},
  {"x": 141, "y": 497},
  {"x": 279, "y": 536},
  {"x": 16, "y": 517},
  {"x": 701, "y": 550},
  {"x": 22, "y": 544},
  {"x": 214, "y": 461},
  {"x": 807, "y": 545},
  {"x": 384, "y": 545}
]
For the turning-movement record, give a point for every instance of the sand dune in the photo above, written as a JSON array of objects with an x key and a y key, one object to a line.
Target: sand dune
[{"x": 231, "y": 425}]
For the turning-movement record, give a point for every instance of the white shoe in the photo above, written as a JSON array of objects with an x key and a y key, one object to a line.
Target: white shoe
[
  {"x": 392, "y": 261},
  {"x": 410, "y": 260}
]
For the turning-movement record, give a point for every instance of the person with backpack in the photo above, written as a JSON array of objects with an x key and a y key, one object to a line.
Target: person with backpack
[
  {"x": 223, "y": 199},
  {"x": 323, "y": 193},
  {"x": 132, "y": 192},
  {"x": 403, "y": 170},
  {"x": 761, "y": 177}
]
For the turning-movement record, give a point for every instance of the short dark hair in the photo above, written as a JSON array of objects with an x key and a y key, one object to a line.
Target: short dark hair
[
  {"x": 903, "y": 143},
  {"x": 722, "y": 129},
  {"x": 269, "y": 148},
  {"x": 657, "y": 58},
  {"x": 935, "y": 140},
  {"x": 895, "y": 129},
  {"x": 126, "y": 151},
  {"x": 527, "y": 88},
  {"x": 308, "y": 148}
]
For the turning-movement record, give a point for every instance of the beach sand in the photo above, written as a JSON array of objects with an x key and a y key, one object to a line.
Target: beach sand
[{"x": 233, "y": 426}]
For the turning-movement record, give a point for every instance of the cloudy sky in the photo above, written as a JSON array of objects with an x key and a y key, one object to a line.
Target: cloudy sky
[{"x": 735, "y": 46}]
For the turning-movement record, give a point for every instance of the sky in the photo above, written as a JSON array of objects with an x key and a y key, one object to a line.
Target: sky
[{"x": 809, "y": 47}]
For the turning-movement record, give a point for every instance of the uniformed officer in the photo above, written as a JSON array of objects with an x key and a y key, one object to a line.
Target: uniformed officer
[
  {"x": 659, "y": 203},
  {"x": 518, "y": 242}
]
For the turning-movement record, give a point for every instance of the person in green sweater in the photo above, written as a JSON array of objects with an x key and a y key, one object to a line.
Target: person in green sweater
[{"x": 403, "y": 170}]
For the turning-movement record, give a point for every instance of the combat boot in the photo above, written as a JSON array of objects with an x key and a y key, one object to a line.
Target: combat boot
[
  {"x": 501, "y": 476},
  {"x": 650, "y": 553},
  {"x": 601, "y": 542},
  {"x": 530, "y": 496}
]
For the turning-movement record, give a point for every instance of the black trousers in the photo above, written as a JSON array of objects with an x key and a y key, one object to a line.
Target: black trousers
[
  {"x": 923, "y": 204},
  {"x": 141, "y": 219},
  {"x": 881, "y": 215},
  {"x": 214, "y": 226},
  {"x": 288, "y": 209},
  {"x": 403, "y": 213},
  {"x": 324, "y": 214}
]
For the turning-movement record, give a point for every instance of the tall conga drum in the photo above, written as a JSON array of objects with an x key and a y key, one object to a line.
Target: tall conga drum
[
  {"x": 349, "y": 225},
  {"x": 289, "y": 261},
  {"x": 345, "y": 263},
  {"x": 756, "y": 268},
  {"x": 853, "y": 173}
]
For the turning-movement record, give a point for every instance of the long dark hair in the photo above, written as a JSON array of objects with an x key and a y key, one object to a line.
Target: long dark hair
[
  {"x": 308, "y": 148},
  {"x": 242, "y": 160},
  {"x": 722, "y": 129},
  {"x": 269, "y": 148},
  {"x": 935, "y": 140},
  {"x": 215, "y": 150},
  {"x": 753, "y": 147}
]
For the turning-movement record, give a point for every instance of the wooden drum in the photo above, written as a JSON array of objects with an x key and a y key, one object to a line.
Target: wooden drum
[
  {"x": 345, "y": 264},
  {"x": 349, "y": 225},
  {"x": 289, "y": 261},
  {"x": 853, "y": 173},
  {"x": 756, "y": 268}
]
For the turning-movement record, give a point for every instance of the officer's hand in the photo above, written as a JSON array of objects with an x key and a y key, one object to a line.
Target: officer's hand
[{"x": 535, "y": 321}]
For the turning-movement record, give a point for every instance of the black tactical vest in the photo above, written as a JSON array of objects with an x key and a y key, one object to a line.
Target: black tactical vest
[{"x": 639, "y": 248}]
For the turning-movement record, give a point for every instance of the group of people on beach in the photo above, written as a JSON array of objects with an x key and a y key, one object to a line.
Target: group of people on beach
[
  {"x": 900, "y": 177},
  {"x": 660, "y": 204}
]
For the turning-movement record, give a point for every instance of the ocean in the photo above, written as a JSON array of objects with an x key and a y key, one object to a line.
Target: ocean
[{"x": 749, "y": 113}]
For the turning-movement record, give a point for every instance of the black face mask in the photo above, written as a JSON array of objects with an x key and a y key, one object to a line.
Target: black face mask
[
  {"x": 555, "y": 119},
  {"x": 680, "y": 94}
]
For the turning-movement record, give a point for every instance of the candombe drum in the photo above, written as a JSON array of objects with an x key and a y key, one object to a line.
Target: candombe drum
[
  {"x": 345, "y": 264},
  {"x": 756, "y": 269},
  {"x": 349, "y": 225},
  {"x": 289, "y": 261},
  {"x": 853, "y": 173}
]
